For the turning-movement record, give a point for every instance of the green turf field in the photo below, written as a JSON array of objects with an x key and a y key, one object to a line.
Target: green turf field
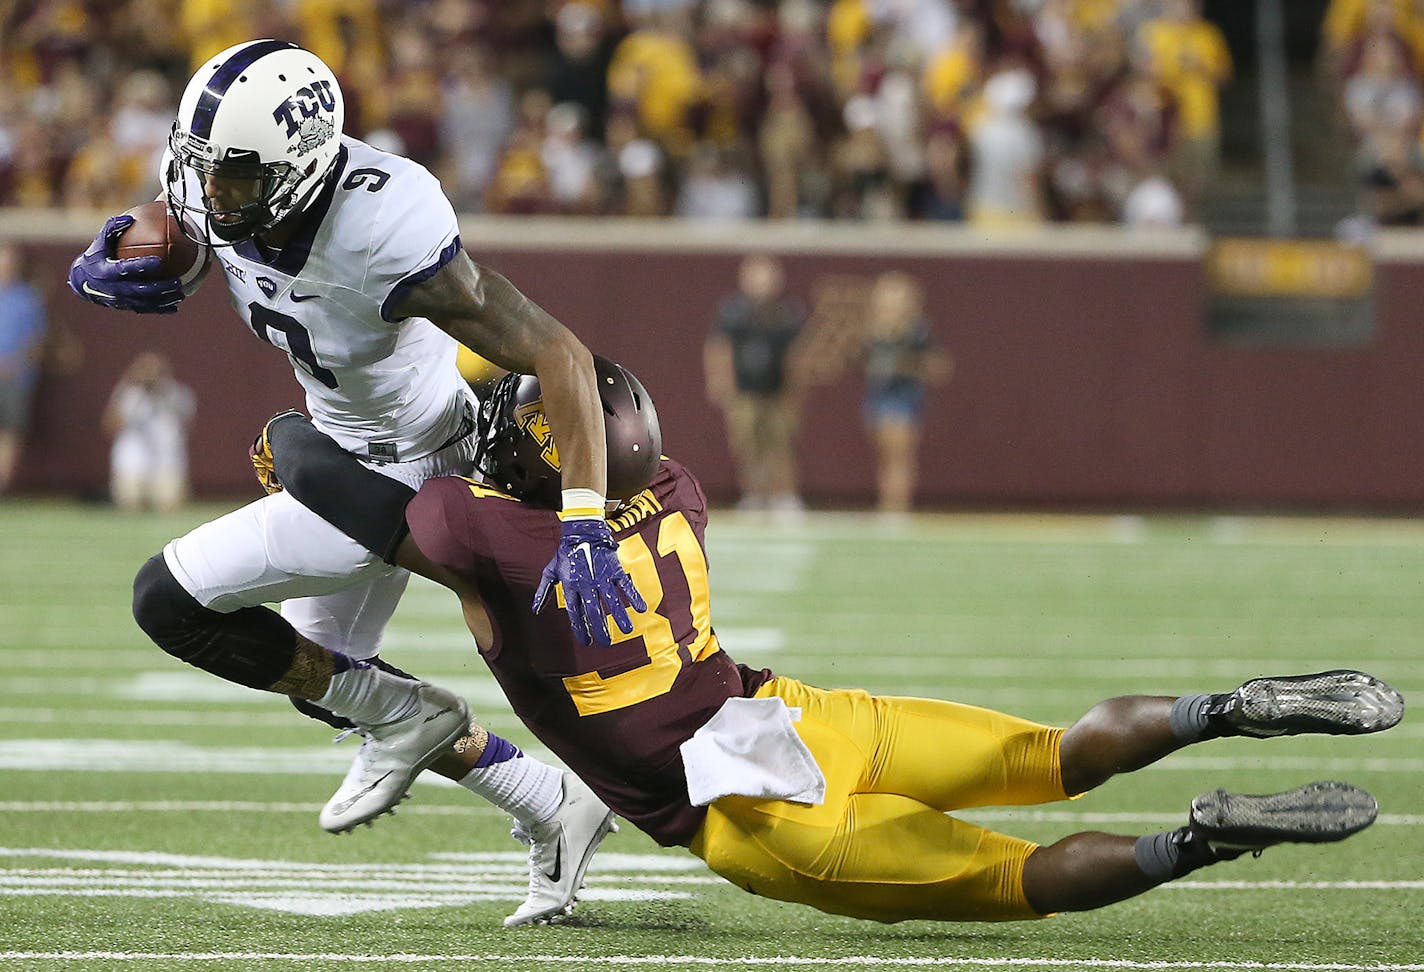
[{"x": 152, "y": 817}]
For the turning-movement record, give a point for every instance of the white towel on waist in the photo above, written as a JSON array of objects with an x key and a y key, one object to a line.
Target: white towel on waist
[{"x": 750, "y": 748}]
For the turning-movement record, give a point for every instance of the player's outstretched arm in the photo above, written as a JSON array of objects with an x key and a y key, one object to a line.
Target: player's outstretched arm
[{"x": 487, "y": 314}]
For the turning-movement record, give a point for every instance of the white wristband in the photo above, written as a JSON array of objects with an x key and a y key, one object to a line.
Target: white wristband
[{"x": 582, "y": 504}]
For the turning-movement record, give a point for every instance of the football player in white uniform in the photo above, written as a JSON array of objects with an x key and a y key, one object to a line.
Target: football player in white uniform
[{"x": 348, "y": 259}]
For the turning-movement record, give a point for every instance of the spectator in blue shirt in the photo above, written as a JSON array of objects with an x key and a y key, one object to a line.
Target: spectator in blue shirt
[{"x": 22, "y": 331}]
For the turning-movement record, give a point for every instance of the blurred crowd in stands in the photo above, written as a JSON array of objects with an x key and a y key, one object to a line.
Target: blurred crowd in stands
[
  {"x": 1372, "y": 59},
  {"x": 990, "y": 111}
]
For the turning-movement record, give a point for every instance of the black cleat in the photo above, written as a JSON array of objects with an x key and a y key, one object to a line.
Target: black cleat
[
  {"x": 1232, "y": 824},
  {"x": 1337, "y": 703}
]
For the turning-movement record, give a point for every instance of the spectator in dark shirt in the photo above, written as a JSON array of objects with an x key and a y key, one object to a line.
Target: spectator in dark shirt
[
  {"x": 578, "y": 67},
  {"x": 751, "y": 368}
]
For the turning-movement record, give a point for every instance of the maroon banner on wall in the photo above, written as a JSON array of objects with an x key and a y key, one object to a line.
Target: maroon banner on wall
[{"x": 1084, "y": 375}]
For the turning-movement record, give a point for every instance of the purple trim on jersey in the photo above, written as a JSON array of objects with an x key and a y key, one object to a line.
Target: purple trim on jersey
[
  {"x": 407, "y": 284},
  {"x": 223, "y": 78},
  {"x": 291, "y": 258},
  {"x": 341, "y": 663},
  {"x": 497, "y": 750}
]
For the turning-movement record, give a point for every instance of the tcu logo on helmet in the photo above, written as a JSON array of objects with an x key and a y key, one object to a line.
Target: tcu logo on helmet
[{"x": 304, "y": 103}]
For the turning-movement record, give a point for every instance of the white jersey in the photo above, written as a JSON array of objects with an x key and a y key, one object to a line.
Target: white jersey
[{"x": 382, "y": 387}]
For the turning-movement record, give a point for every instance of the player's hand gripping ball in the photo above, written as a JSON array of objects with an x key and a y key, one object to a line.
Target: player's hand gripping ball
[{"x": 141, "y": 261}]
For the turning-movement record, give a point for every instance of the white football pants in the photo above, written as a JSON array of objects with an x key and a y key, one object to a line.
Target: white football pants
[{"x": 333, "y": 591}]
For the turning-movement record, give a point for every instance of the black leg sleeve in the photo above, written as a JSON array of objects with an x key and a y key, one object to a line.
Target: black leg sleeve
[
  {"x": 331, "y": 482},
  {"x": 250, "y": 646}
]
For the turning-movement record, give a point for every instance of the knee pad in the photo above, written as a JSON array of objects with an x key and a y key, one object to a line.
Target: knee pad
[{"x": 251, "y": 646}]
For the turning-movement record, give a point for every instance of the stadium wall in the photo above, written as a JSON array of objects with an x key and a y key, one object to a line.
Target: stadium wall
[{"x": 1084, "y": 373}]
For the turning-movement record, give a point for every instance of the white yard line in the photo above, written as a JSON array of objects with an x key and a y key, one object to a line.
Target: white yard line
[
  {"x": 169, "y": 756},
  {"x": 1172, "y": 817},
  {"x": 312, "y": 888},
  {"x": 624, "y": 961},
  {"x": 1265, "y": 764},
  {"x": 221, "y": 806},
  {"x": 1122, "y": 818},
  {"x": 284, "y": 717},
  {"x": 1295, "y": 885}
]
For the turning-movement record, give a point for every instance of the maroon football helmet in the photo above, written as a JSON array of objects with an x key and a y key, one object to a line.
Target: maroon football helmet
[{"x": 517, "y": 453}]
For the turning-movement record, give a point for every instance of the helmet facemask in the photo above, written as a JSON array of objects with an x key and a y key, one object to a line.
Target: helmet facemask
[
  {"x": 517, "y": 453},
  {"x": 509, "y": 455},
  {"x": 268, "y": 199}
]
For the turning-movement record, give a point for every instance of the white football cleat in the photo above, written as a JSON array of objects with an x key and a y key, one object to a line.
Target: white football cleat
[
  {"x": 559, "y": 851},
  {"x": 392, "y": 756}
]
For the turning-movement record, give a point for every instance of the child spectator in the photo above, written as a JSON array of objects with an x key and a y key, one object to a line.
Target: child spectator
[{"x": 900, "y": 364}]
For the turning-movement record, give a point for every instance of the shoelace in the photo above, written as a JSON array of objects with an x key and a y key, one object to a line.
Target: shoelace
[
  {"x": 346, "y": 733},
  {"x": 536, "y": 874},
  {"x": 366, "y": 740},
  {"x": 525, "y": 837}
]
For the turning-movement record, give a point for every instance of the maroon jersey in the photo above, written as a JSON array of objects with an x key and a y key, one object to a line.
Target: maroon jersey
[{"x": 616, "y": 715}]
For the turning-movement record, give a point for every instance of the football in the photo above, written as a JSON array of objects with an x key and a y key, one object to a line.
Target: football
[{"x": 156, "y": 233}]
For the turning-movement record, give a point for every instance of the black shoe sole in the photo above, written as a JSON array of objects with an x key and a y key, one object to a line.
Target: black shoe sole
[
  {"x": 1317, "y": 813},
  {"x": 1338, "y": 703}
]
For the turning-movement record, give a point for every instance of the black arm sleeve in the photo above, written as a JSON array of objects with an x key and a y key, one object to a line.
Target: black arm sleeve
[{"x": 331, "y": 482}]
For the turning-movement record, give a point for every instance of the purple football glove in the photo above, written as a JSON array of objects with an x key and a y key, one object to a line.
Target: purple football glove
[
  {"x": 100, "y": 279},
  {"x": 595, "y": 584}
]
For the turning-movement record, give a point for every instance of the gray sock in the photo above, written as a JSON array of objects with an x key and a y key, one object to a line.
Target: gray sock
[
  {"x": 1157, "y": 855},
  {"x": 1171, "y": 854},
  {"x": 1189, "y": 718}
]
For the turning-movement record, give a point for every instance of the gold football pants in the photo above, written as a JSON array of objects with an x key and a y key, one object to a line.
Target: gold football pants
[{"x": 881, "y": 845}]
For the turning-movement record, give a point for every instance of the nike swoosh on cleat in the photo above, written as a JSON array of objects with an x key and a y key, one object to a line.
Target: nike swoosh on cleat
[
  {"x": 298, "y": 298},
  {"x": 558, "y": 863},
  {"x": 436, "y": 715},
  {"x": 348, "y": 803}
]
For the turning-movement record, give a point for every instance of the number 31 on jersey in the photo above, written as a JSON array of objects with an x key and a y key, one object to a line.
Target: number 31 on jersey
[{"x": 679, "y": 551}]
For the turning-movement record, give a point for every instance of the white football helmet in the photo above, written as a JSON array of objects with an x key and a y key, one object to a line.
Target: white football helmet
[{"x": 257, "y": 132}]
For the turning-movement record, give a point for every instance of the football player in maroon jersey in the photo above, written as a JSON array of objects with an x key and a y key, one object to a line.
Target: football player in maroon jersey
[{"x": 833, "y": 798}]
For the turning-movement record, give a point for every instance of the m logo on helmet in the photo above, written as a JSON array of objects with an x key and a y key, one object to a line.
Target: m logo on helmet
[
  {"x": 305, "y": 103},
  {"x": 535, "y": 423}
]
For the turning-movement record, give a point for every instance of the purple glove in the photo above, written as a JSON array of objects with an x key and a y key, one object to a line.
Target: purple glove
[
  {"x": 595, "y": 584},
  {"x": 100, "y": 279}
]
